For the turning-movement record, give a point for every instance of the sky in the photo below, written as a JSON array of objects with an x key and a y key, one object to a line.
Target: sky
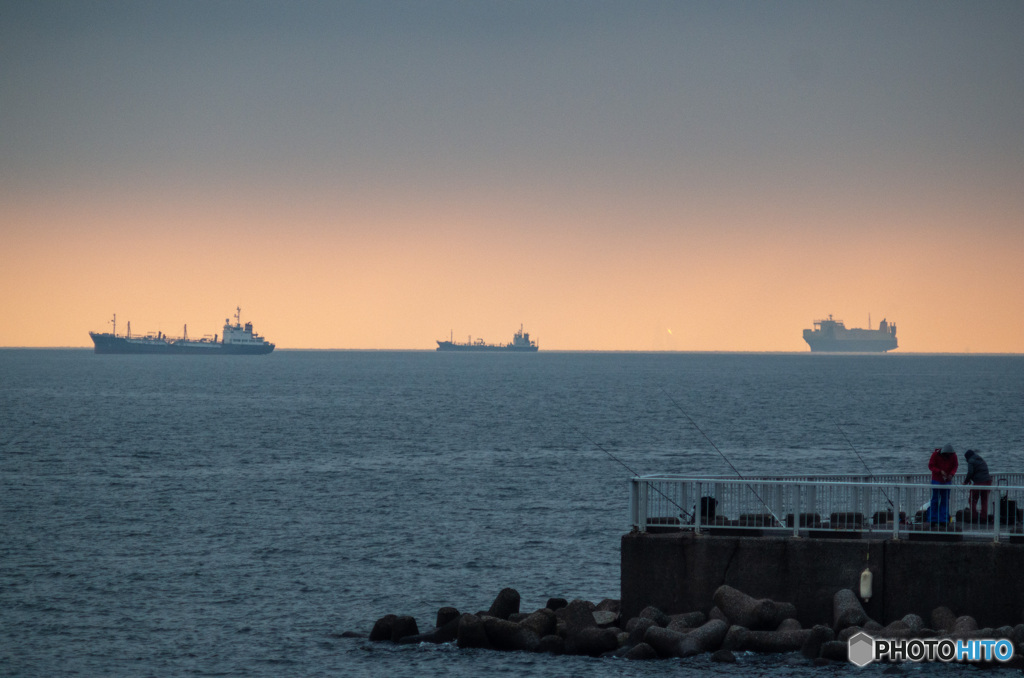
[{"x": 668, "y": 176}]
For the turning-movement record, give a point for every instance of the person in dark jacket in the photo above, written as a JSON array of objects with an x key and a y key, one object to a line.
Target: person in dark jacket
[
  {"x": 977, "y": 472},
  {"x": 943, "y": 465}
]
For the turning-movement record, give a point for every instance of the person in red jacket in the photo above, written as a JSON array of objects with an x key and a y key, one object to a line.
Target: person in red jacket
[{"x": 943, "y": 465}]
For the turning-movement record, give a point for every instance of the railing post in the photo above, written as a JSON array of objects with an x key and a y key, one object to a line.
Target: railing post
[
  {"x": 640, "y": 510},
  {"x": 684, "y": 500},
  {"x": 634, "y": 504},
  {"x": 795, "y": 503},
  {"x": 776, "y": 503},
  {"x": 897, "y": 510},
  {"x": 696, "y": 513}
]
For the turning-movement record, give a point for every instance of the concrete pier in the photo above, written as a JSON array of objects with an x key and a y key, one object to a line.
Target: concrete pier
[{"x": 679, "y": 572}]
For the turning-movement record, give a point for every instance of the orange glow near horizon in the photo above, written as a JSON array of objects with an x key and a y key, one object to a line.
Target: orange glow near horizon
[{"x": 362, "y": 276}]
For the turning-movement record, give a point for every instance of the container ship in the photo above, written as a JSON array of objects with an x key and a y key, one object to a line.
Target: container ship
[
  {"x": 520, "y": 343},
  {"x": 832, "y": 336},
  {"x": 236, "y": 340}
]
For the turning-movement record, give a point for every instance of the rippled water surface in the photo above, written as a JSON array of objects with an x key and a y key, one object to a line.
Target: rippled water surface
[{"x": 198, "y": 515}]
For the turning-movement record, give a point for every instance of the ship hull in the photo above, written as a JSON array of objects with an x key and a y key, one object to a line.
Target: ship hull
[
  {"x": 850, "y": 345},
  {"x": 484, "y": 348},
  {"x": 117, "y": 345}
]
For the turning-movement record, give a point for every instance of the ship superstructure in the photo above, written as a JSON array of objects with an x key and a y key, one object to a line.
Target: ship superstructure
[
  {"x": 520, "y": 342},
  {"x": 832, "y": 336},
  {"x": 237, "y": 339}
]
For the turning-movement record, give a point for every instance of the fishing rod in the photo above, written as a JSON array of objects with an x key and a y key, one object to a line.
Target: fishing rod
[
  {"x": 635, "y": 474},
  {"x": 711, "y": 442},
  {"x": 870, "y": 474}
]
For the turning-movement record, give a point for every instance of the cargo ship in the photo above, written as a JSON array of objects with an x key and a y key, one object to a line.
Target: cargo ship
[
  {"x": 236, "y": 340},
  {"x": 521, "y": 342},
  {"x": 832, "y": 336}
]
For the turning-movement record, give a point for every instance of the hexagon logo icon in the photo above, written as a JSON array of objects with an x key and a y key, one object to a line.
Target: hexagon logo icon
[{"x": 861, "y": 649}]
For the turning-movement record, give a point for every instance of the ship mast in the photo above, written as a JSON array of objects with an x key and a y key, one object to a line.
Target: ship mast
[
  {"x": 114, "y": 322},
  {"x": 238, "y": 315}
]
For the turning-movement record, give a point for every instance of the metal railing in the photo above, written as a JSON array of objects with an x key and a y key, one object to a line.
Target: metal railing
[{"x": 896, "y": 506}]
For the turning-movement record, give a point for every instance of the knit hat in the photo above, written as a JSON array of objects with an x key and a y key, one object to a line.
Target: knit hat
[{"x": 948, "y": 449}]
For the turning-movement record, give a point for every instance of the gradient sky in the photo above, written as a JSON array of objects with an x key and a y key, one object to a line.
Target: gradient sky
[{"x": 613, "y": 175}]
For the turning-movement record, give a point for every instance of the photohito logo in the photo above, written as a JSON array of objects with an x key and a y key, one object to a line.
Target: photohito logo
[{"x": 863, "y": 649}]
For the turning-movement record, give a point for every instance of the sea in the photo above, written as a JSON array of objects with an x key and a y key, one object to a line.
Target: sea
[{"x": 237, "y": 515}]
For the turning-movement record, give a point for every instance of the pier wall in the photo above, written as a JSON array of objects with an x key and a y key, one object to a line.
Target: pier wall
[{"x": 679, "y": 572}]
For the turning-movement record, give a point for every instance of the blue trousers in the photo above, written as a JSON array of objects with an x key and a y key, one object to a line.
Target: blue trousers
[{"x": 938, "y": 511}]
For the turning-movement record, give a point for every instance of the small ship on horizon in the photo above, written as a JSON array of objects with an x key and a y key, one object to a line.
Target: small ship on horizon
[
  {"x": 236, "y": 340},
  {"x": 521, "y": 342},
  {"x": 832, "y": 336}
]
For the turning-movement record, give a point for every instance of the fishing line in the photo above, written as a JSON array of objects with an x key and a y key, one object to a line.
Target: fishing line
[
  {"x": 711, "y": 442},
  {"x": 870, "y": 474},
  {"x": 635, "y": 474}
]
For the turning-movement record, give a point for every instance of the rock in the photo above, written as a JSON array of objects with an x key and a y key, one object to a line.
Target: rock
[
  {"x": 605, "y": 618},
  {"x": 819, "y": 635},
  {"x": 445, "y": 615},
  {"x": 897, "y": 629},
  {"x": 785, "y": 611},
  {"x": 382, "y": 628},
  {"x": 555, "y": 604},
  {"x": 744, "y": 610},
  {"x": 403, "y": 626},
  {"x": 964, "y": 626},
  {"x": 591, "y": 641},
  {"x": 716, "y": 613},
  {"x": 637, "y": 627},
  {"x": 1017, "y": 636},
  {"x": 507, "y": 603},
  {"x": 871, "y": 627},
  {"x": 472, "y": 632},
  {"x": 447, "y": 632},
  {"x": 641, "y": 651},
  {"x": 350, "y": 634},
  {"x": 847, "y": 610},
  {"x": 506, "y": 635},
  {"x": 609, "y": 605},
  {"x": 659, "y": 617},
  {"x": 578, "y": 615},
  {"x": 706, "y": 638},
  {"x": 914, "y": 622},
  {"x": 1005, "y": 632},
  {"x": 724, "y": 656},
  {"x": 552, "y": 644},
  {"x": 689, "y": 620},
  {"x": 848, "y": 633},
  {"x": 542, "y": 622},
  {"x": 789, "y": 625},
  {"x": 943, "y": 619},
  {"x": 664, "y": 641},
  {"x": 735, "y": 638},
  {"x": 680, "y": 626},
  {"x": 777, "y": 641},
  {"x": 835, "y": 650}
]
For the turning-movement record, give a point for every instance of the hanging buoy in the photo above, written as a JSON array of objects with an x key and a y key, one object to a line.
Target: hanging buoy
[{"x": 865, "y": 584}]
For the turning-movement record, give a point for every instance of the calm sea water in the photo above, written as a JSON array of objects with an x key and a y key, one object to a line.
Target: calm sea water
[{"x": 201, "y": 516}]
